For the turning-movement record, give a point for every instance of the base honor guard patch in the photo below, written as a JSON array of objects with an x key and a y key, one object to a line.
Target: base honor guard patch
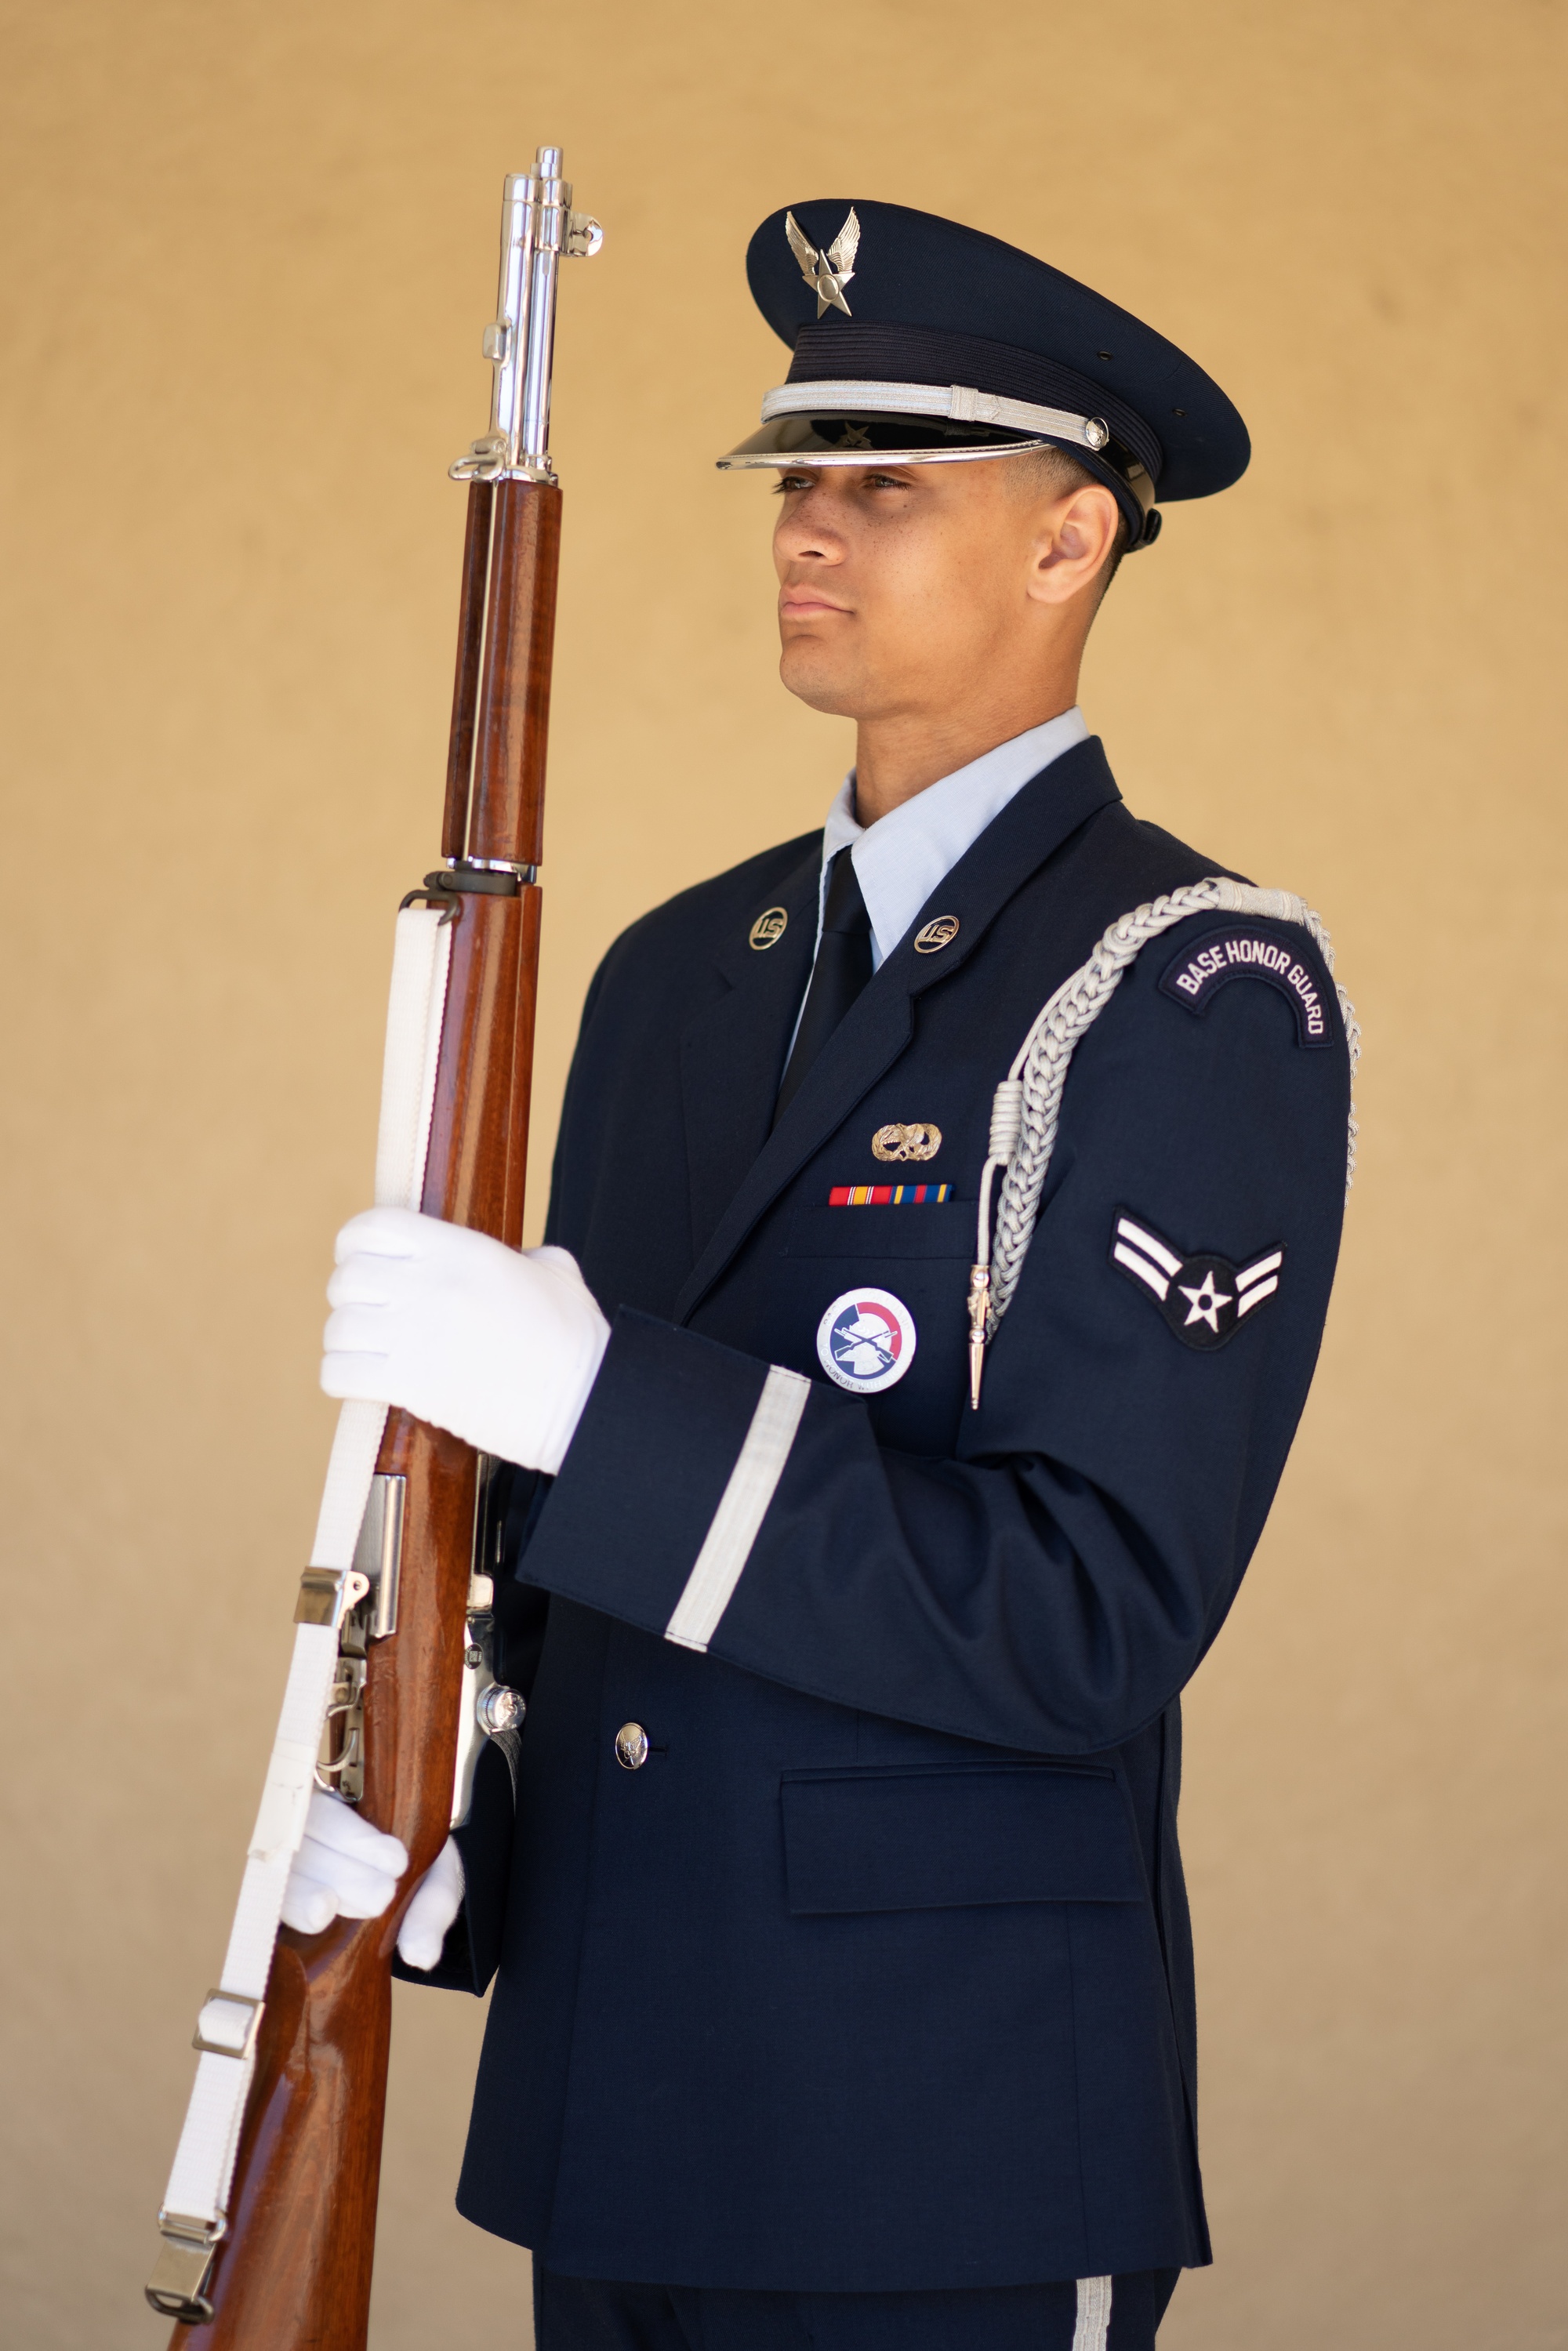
[
  {"x": 866, "y": 1340},
  {"x": 1239, "y": 952},
  {"x": 1204, "y": 1299}
]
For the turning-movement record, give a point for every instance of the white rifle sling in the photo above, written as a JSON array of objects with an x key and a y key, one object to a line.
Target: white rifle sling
[
  {"x": 194, "y": 2205},
  {"x": 1027, "y": 1109}
]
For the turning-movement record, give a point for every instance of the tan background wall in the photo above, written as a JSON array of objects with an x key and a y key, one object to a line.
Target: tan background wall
[{"x": 247, "y": 250}]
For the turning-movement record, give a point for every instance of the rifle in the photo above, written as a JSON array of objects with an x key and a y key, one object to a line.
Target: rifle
[{"x": 268, "y": 2224}]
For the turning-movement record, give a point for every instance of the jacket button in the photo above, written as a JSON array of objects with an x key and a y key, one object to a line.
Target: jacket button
[{"x": 630, "y": 1746}]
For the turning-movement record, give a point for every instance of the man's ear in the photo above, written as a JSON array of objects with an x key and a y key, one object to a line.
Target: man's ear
[{"x": 1072, "y": 543}]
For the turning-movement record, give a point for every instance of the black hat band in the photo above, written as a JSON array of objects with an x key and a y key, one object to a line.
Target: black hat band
[{"x": 855, "y": 350}]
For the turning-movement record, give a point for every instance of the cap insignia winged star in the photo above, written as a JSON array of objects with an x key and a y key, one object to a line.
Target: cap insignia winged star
[{"x": 828, "y": 272}]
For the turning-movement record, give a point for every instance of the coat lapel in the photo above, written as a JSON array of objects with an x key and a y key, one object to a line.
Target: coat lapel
[
  {"x": 878, "y": 1027},
  {"x": 732, "y": 1054}
]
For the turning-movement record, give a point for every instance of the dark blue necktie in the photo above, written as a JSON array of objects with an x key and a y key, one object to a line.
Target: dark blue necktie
[{"x": 841, "y": 969}]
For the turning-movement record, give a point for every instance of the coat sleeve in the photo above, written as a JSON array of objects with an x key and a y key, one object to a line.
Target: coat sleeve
[{"x": 1051, "y": 1583}]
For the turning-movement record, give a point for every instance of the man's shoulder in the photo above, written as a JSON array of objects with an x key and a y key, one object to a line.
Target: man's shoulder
[
  {"x": 1111, "y": 864},
  {"x": 1123, "y": 866},
  {"x": 1125, "y": 856}
]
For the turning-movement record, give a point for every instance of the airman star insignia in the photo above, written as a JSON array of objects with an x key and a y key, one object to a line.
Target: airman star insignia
[
  {"x": 1204, "y": 1298},
  {"x": 828, "y": 272}
]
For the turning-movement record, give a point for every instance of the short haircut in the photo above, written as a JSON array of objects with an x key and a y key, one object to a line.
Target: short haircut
[{"x": 1053, "y": 472}]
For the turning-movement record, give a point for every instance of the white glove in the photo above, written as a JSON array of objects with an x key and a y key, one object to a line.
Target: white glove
[
  {"x": 433, "y": 1909},
  {"x": 499, "y": 1345},
  {"x": 347, "y": 1869},
  {"x": 344, "y": 1869}
]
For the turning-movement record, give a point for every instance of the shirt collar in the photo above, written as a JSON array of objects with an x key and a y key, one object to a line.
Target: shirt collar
[{"x": 900, "y": 859}]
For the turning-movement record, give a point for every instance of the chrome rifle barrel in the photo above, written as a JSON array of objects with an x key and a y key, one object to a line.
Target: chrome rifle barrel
[{"x": 538, "y": 228}]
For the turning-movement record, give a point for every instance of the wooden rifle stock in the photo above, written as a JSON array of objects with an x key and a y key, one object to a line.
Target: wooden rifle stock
[{"x": 293, "y": 2271}]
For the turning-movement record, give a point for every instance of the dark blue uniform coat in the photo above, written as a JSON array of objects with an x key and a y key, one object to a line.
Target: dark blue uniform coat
[{"x": 877, "y": 1975}]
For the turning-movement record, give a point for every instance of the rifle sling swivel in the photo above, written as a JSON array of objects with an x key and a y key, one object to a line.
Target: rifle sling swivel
[
  {"x": 469, "y": 878},
  {"x": 178, "y": 2286}
]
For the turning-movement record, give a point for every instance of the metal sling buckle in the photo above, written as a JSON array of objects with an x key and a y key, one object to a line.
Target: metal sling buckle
[
  {"x": 246, "y": 2042},
  {"x": 177, "y": 2287},
  {"x": 327, "y": 1594}
]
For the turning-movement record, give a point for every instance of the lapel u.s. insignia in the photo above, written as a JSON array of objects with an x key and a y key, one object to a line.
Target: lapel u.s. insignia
[
  {"x": 919, "y": 1141},
  {"x": 828, "y": 272},
  {"x": 769, "y": 928},
  {"x": 936, "y": 936},
  {"x": 1205, "y": 1298}
]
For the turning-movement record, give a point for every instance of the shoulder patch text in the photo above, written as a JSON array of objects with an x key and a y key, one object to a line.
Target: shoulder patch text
[{"x": 1241, "y": 952}]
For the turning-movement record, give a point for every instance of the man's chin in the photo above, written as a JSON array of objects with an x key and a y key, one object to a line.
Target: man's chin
[{"x": 822, "y": 684}]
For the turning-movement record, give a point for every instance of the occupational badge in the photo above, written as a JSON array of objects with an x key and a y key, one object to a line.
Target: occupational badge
[
  {"x": 922, "y": 1140},
  {"x": 1205, "y": 1298},
  {"x": 769, "y": 927},
  {"x": 866, "y": 1340},
  {"x": 936, "y": 936},
  {"x": 828, "y": 272}
]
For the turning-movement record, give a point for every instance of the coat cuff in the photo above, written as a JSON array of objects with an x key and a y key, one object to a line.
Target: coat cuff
[{"x": 669, "y": 1477}]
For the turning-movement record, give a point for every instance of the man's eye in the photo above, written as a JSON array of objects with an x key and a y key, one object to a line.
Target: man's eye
[
  {"x": 885, "y": 482},
  {"x": 787, "y": 482}
]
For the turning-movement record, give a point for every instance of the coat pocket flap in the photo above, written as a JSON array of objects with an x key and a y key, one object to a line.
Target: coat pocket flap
[{"x": 918, "y": 1839}]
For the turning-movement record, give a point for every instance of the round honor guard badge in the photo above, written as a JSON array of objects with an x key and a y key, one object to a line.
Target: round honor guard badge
[
  {"x": 919, "y": 1141},
  {"x": 866, "y": 1340},
  {"x": 769, "y": 928},
  {"x": 936, "y": 936}
]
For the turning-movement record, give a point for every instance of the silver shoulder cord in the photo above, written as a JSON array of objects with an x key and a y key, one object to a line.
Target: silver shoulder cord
[{"x": 1026, "y": 1106}]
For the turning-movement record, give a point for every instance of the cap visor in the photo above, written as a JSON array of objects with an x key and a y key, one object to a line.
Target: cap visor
[{"x": 867, "y": 439}]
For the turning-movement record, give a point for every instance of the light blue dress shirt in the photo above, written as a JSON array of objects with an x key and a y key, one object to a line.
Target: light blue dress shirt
[{"x": 900, "y": 857}]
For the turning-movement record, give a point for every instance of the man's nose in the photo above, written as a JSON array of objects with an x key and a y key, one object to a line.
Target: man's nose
[{"x": 808, "y": 529}]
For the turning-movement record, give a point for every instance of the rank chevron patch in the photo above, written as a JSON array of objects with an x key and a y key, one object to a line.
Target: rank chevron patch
[{"x": 1204, "y": 1298}]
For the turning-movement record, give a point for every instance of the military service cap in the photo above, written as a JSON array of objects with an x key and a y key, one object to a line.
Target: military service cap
[{"x": 922, "y": 339}]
